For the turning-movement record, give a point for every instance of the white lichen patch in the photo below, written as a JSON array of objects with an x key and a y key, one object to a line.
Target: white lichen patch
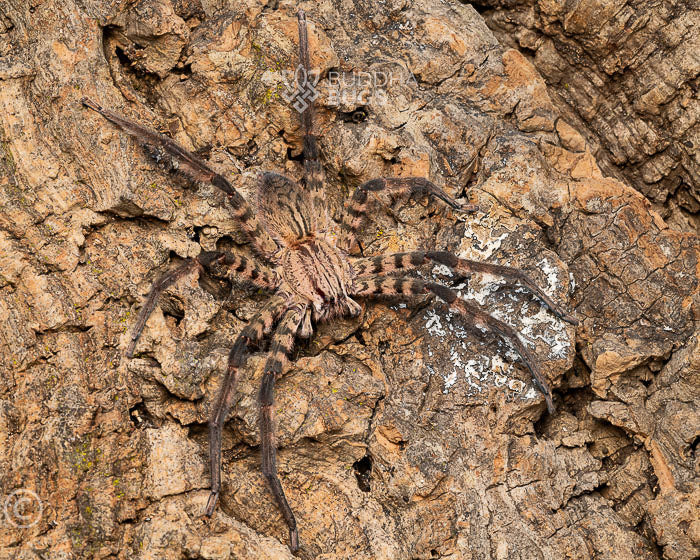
[
  {"x": 479, "y": 245},
  {"x": 434, "y": 325},
  {"x": 441, "y": 269},
  {"x": 487, "y": 286},
  {"x": 553, "y": 331},
  {"x": 516, "y": 385},
  {"x": 551, "y": 272},
  {"x": 500, "y": 380},
  {"x": 543, "y": 325},
  {"x": 478, "y": 373},
  {"x": 515, "y": 306},
  {"x": 450, "y": 380}
]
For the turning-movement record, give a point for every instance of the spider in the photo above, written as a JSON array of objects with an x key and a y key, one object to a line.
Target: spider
[{"x": 313, "y": 275}]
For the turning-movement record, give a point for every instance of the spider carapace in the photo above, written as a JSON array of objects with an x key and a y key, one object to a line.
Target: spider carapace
[{"x": 311, "y": 275}]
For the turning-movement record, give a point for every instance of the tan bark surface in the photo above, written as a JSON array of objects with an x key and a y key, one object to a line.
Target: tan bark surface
[
  {"x": 402, "y": 434},
  {"x": 625, "y": 74}
]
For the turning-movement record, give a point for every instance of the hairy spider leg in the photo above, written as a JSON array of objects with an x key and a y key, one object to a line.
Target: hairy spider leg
[
  {"x": 165, "y": 150},
  {"x": 314, "y": 177},
  {"x": 405, "y": 262},
  {"x": 281, "y": 347},
  {"x": 402, "y": 286},
  {"x": 234, "y": 267},
  {"x": 356, "y": 207},
  {"x": 256, "y": 273},
  {"x": 289, "y": 212},
  {"x": 260, "y": 325},
  {"x": 306, "y": 329},
  {"x": 164, "y": 282}
]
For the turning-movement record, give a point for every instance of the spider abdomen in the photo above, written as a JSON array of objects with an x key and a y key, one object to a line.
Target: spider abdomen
[{"x": 317, "y": 272}]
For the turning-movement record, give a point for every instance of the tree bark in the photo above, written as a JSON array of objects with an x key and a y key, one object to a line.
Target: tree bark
[{"x": 402, "y": 434}]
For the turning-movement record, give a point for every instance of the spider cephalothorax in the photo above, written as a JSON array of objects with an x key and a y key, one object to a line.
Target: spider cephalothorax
[
  {"x": 310, "y": 267},
  {"x": 310, "y": 273}
]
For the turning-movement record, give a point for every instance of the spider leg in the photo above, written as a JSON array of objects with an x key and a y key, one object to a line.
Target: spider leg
[
  {"x": 282, "y": 343},
  {"x": 313, "y": 171},
  {"x": 385, "y": 264},
  {"x": 256, "y": 273},
  {"x": 252, "y": 333},
  {"x": 161, "y": 147},
  {"x": 306, "y": 329},
  {"x": 231, "y": 265},
  {"x": 356, "y": 207},
  {"x": 164, "y": 282},
  {"x": 393, "y": 285}
]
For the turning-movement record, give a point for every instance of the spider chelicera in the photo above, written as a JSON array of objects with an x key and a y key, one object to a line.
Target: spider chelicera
[{"x": 310, "y": 273}]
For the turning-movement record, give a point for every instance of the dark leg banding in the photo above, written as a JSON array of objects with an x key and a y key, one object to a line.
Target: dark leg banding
[
  {"x": 392, "y": 285},
  {"x": 282, "y": 343},
  {"x": 356, "y": 207},
  {"x": 253, "y": 332},
  {"x": 386, "y": 264}
]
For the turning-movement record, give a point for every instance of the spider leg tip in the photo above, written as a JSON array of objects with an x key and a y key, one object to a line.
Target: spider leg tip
[
  {"x": 131, "y": 349},
  {"x": 293, "y": 540},
  {"x": 572, "y": 320},
  {"x": 469, "y": 208},
  {"x": 211, "y": 504},
  {"x": 87, "y": 102},
  {"x": 550, "y": 404}
]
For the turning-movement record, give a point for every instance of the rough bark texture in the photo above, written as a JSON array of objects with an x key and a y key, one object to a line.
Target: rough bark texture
[
  {"x": 626, "y": 75},
  {"x": 403, "y": 434}
]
